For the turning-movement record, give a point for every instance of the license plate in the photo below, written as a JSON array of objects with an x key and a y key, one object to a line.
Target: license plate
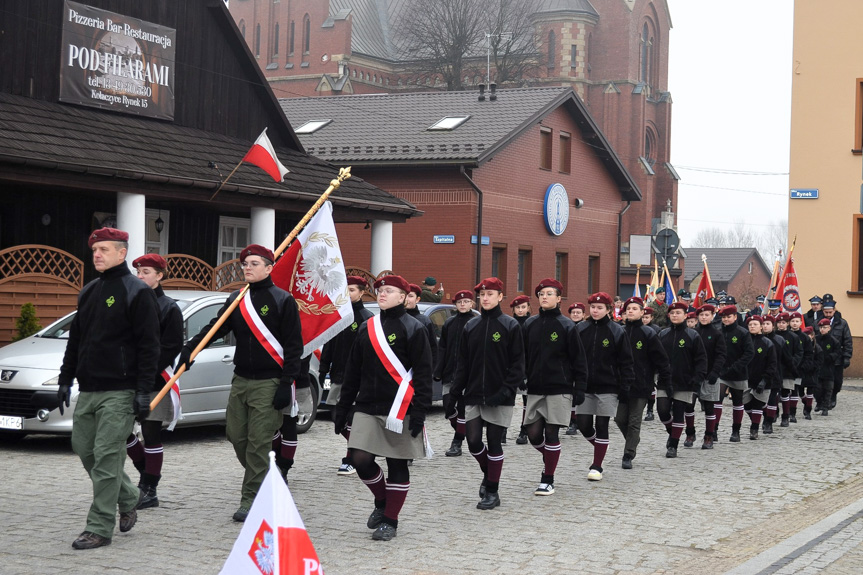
[
  {"x": 9, "y": 422},
  {"x": 327, "y": 383}
]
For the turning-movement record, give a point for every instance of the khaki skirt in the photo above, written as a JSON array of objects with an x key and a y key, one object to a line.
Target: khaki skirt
[
  {"x": 369, "y": 433},
  {"x": 751, "y": 393},
  {"x": 684, "y": 396},
  {"x": 334, "y": 394},
  {"x": 601, "y": 404},
  {"x": 742, "y": 384},
  {"x": 790, "y": 383},
  {"x": 163, "y": 412},
  {"x": 498, "y": 415},
  {"x": 554, "y": 409}
]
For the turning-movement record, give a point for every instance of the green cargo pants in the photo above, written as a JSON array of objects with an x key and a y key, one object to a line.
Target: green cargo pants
[
  {"x": 100, "y": 425},
  {"x": 251, "y": 422}
]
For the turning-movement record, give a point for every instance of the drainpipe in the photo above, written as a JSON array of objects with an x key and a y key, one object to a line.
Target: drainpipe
[
  {"x": 479, "y": 224},
  {"x": 619, "y": 231}
]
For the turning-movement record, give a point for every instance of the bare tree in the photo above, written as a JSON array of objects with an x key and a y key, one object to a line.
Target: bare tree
[
  {"x": 511, "y": 37},
  {"x": 770, "y": 242},
  {"x": 774, "y": 241}
]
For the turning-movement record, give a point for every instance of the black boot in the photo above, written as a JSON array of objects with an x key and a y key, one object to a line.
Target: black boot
[
  {"x": 454, "y": 449},
  {"x": 735, "y": 434},
  {"x": 148, "y": 497},
  {"x": 784, "y": 422},
  {"x": 649, "y": 416},
  {"x": 284, "y": 466}
]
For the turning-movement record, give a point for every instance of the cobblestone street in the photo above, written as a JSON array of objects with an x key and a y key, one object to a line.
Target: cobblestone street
[{"x": 787, "y": 503}]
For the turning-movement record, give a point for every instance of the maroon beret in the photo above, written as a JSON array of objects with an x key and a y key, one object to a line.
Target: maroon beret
[
  {"x": 807, "y": 330},
  {"x": 518, "y": 300},
  {"x": 107, "y": 235},
  {"x": 489, "y": 283},
  {"x": 151, "y": 261},
  {"x": 823, "y": 321},
  {"x": 257, "y": 250},
  {"x": 678, "y": 305},
  {"x": 783, "y": 317},
  {"x": 357, "y": 281},
  {"x": 707, "y": 307},
  {"x": 548, "y": 283},
  {"x": 752, "y": 318},
  {"x": 463, "y": 294},
  {"x": 691, "y": 315},
  {"x": 768, "y": 318},
  {"x": 728, "y": 310},
  {"x": 578, "y": 305},
  {"x": 795, "y": 315},
  {"x": 648, "y": 311},
  {"x": 415, "y": 289},
  {"x": 394, "y": 281},
  {"x": 634, "y": 299},
  {"x": 600, "y": 297}
]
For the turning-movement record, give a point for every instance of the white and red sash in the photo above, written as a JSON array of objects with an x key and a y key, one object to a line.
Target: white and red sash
[
  {"x": 167, "y": 374},
  {"x": 268, "y": 341},
  {"x": 404, "y": 377}
]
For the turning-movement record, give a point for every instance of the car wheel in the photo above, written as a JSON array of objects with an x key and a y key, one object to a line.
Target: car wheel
[{"x": 305, "y": 420}]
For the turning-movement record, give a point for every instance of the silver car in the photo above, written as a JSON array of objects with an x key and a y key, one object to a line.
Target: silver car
[{"x": 29, "y": 371}]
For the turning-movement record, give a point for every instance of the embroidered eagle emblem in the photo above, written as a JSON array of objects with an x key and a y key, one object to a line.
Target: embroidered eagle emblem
[{"x": 317, "y": 272}]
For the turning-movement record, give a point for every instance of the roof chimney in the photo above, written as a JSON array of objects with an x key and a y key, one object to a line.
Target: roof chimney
[
  {"x": 481, "y": 93},
  {"x": 492, "y": 92}
]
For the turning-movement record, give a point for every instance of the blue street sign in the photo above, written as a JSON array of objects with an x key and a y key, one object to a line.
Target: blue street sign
[
  {"x": 804, "y": 194},
  {"x": 444, "y": 239},
  {"x": 485, "y": 240}
]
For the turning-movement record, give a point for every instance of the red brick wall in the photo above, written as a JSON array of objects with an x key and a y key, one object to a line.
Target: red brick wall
[{"x": 745, "y": 286}]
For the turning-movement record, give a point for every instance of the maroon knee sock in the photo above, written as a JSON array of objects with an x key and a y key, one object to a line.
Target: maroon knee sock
[
  {"x": 677, "y": 429},
  {"x": 135, "y": 450},
  {"x": 396, "y": 495},
  {"x": 551, "y": 457},
  {"x": 482, "y": 459},
  {"x": 710, "y": 424},
  {"x": 377, "y": 485},
  {"x": 153, "y": 455},
  {"x": 737, "y": 415},
  {"x": 495, "y": 466},
  {"x": 599, "y": 449},
  {"x": 288, "y": 449},
  {"x": 717, "y": 411}
]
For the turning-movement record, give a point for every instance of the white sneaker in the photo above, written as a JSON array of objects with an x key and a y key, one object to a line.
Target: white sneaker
[
  {"x": 594, "y": 475},
  {"x": 346, "y": 469},
  {"x": 544, "y": 489}
]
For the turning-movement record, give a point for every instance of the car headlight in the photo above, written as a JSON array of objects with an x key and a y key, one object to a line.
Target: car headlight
[{"x": 55, "y": 381}]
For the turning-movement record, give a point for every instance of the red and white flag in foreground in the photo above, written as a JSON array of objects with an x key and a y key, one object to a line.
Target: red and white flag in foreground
[
  {"x": 705, "y": 288},
  {"x": 263, "y": 155},
  {"x": 273, "y": 540},
  {"x": 788, "y": 289},
  {"x": 313, "y": 271}
]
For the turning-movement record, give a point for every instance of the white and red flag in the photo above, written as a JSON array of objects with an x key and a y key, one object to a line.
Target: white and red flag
[
  {"x": 705, "y": 286},
  {"x": 273, "y": 540},
  {"x": 788, "y": 290},
  {"x": 263, "y": 155},
  {"x": 167, "y": 374},
  {"x": 313, "y": 271}
]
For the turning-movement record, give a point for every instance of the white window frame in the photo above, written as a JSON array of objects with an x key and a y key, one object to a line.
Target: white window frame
[{"x": 236, "y": 223}]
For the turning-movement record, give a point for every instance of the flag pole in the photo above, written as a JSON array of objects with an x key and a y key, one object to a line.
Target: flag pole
[
  {"x": 222, "y": 185},
  {"x": 785, "y": 267},
  {"x": 344, "y": 174},
  {"x": 637, "y": 274},
  {"x": 707, "y": 272}
]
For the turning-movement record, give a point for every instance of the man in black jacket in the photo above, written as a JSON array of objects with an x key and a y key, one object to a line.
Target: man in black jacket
[
  {"x": 444, "y": 371},
  {"x": 556, "y": 377},
  {"x": 796, "y": 326},
  {"x": 334, "y": 357},
  {"x": 734, "y": 376},
  {"x": 650, "y": 362},
  {"x": 266, "y": 325},
  {"x": 708, "y": 393},
  {"x": 489, "y": 370},
  {"x": 609, "y": 377},
  {"x": 113, "y": 351},
  {"x": 842, "y": 334},
  {"x": 832, "y": 354},
  {"x": 815, "y": 312},
  {"x": 389, "y": 419}
]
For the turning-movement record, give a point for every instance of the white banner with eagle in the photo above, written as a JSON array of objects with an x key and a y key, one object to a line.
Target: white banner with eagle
[{"x": 313, "y": 271}]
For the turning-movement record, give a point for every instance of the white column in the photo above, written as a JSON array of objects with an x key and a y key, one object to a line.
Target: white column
[
  {"x": 382, "y": 246},
  {"x": 132, "y": 218},
  {"x": 263, "y": 224}
]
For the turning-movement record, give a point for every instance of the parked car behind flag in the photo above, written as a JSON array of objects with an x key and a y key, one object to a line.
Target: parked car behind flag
[{"x": 273, "y": 539}]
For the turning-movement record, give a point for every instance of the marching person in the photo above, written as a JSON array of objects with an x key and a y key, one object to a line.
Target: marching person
[
  {"x": 650, "y": 363},
  {"x": 285, "y": 440},
  {"x": 334, "y": 357},
  {"x": 148, "y": 457},
  {"x": 759, "y": 307},
  {"x": 576, "y": 314},
  {"x": 427, "y": 295},
  {"x": 810, "y": 372},
  {"x": 266, "y": 325},
  {"x": 814, "y": 314},
  {"x": 790, "y": 366},
  {"x": 113, "y": 352},
  {"x": 774, "y": 386},
  {"x": 647, "y": 319},
  {"x": 489, "y": 369},
  {"x": 556, "y": 377},
  {"x": 412, "y": 298},
  {"x": 708, "y": 392},
  {"x": 444, "y": 371},
  {"x": 826, "y": 375},
  {"x": 388, "y": 384},
  {"x": 520, "y": 306},
  {"x": 610, "y": 375},
  {"x": 688, "y": 370},
  {"x": 691, "y": 318},
  {"x": 796, "y": 325},
  {"x": 762, "y": 370},
  {"x": 734, "y": 377},
  {"x": 842, "y": 334}
]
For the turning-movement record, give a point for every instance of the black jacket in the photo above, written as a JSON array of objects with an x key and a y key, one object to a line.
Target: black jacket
[
  {"x": 781, "y": 350},
  {"x": 171, "y": 338},
  {"x": 447, "y": 352},
  {"x": 555, "y": 357},
  {"x": 650, "y": 362},
  {"x": 114, "y": 339},
  {"x": 335, "y": 354},
  {"x": 609, "y": 357},
  {"x": 763, "y": 364},
  {"x": 368, "y": 383},
  {"x": 811, "y": 369},
  {"x": 714, "y": 346},
  {"x": 278, "y": 310},
  {"x": 686, "y": 355},
  {"x": 791, "y": 361},
  {"x": 490, "y": 359},
  {"x": 738, "y": 353},
  {"x": 427, "y": 323},
  {"x": 842, "y": 334},
  {"x": 832, "y": 355}
]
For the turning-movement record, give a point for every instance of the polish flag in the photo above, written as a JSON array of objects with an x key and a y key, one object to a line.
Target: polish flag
[
  {"x": 273, "y": 540},
  {"x": 263, "y": 155}
]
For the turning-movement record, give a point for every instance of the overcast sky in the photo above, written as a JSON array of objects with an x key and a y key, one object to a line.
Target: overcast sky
[{"x": 730, "y": 81}]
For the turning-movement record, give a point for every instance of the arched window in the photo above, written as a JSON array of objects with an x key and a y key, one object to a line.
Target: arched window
[
  {"x": 257, "y": 40},
  {"x": 647, "y": 70},
  {"x": 291, "y": 40},
  {"x": 550, "y": 62},
  {"x": 307, "y": 30},
  {"x": 642, "y": 76},
  {"x": 650, "y": 146},
  {"x": 243, "y": 28},
  {"x": 276, "y": 41}
]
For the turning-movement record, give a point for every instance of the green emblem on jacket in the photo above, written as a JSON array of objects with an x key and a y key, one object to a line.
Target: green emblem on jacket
[
  {"x": 110, "y": 301},
  {"x": 829, "y": 346},
  {"x": 265, "y": 310},
  {"x": 495, "y": 337},
  {"x": 554, "y": 336},
  {"x": 605, "y": 342},
  {"x": 759, "y": 350},
  {"x": 354, "y": 326},
  {"x": 639, "y": 345},
  {"x": 391, "y": 338},
  {"x": 734, "y": 339},
  {"x": 681, "y": 343}
]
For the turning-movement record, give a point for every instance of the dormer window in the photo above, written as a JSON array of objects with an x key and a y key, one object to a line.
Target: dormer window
[
  {"x": 311, "y": 126},
  {"x": 449, "y": 123}
]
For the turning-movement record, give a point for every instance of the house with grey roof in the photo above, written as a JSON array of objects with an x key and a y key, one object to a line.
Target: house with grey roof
[{"x": 741, "y": 272}]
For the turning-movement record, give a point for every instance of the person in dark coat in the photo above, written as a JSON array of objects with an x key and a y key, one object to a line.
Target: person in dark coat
[
  {"x": 147, "y": 457},
  {"x": 796, "y": 325},
  {"x": 708, "y": 394},
  {"x": 647, "y": 319},
  {"x": 842, "y": 334},
  {"x": 651, "y": 369},
  {"x": 427, "y": 295},
  {"x": 520, "y": 306},
  {"x": 814, "y": 314},
  {"x": 447, "y": 355},
  {"x": 790, "y": 368},
  {"x": 810, "y": 372},
  {"x": 489, "y": 370},
  {"x": 576, "y": 314},
  {"x": 826, "y": 375},
  {"x": 411, "y": 301},
  {"x": 734, "y": 377},
  {"x": 774, "y": 386},
  {"x": 762, "y": 370}
]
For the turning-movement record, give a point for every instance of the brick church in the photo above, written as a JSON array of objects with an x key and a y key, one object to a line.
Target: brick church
[{"x": 613, "y": 54}]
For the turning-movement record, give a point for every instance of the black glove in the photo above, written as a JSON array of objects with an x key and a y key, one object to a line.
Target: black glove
[
  {"x": 283, "y": 396},
  {"x": 185, "y": 358},
  {"x": 416, "y": 424},
  {"x": 500, "y": 397},
  {"x": 712, "y": 377},
  {"x": 63, "y": 394},
  {"x": 450, "y": 406},
  {"x": 760, "y": 387},
  {"x": 340, "y": 420},
  {"x": 623, "y": 396},
  {"x": 579, "y": 397},
  {"x": 141, "y": 406},
  {"x": 846, "y": 363}
]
